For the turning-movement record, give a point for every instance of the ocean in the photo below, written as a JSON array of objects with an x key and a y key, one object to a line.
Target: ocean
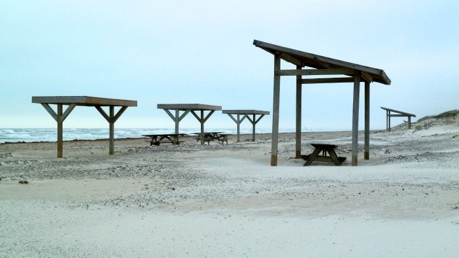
[{"x": 50, "y": 134}]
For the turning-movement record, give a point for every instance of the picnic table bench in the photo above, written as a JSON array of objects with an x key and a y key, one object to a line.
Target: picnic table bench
[
  {"x": 320, "y": 154},
  {"x": 211, "y": 136},
  {"x": 171, "y": 137}
]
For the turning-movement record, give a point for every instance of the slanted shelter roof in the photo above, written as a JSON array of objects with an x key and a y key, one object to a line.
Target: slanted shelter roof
[{"x": 303, "y": 59}]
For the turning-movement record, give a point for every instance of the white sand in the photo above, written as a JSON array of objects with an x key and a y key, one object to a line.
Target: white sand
[{"x": 227, "y": 201}]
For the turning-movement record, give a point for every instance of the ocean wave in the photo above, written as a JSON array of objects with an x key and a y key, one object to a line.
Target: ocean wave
[{"x": 50, "y": 134}]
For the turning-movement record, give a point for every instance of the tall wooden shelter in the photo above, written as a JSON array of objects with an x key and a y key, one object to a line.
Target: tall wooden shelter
[{"x": 311, "y": 69}]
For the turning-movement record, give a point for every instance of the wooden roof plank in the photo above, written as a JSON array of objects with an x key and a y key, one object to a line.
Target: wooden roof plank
[
  {"x": 83, "y": 101},
  {"x": 193, "y": 106},
  {"x": 397, "y": 111},
  {"x": 245, "y": 112},
  {"x": 320, "y": 62}
]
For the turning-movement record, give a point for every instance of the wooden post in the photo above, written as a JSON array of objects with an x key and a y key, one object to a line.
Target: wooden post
[
  {"x": 388, "y": 120},
  {"x": 177, "y": 121},
  {"x": 254, "y": 122},
  {"x": 298, "y": 114},
  {"x": 366, "y": 153},
  {"x": 409, "y": 122},
  {"x": 60, "y": 132},
  {"x": 276, "y": 100},
  {"x": 59, "y": 117},
  {"x": 177, "y": 117},
  {"x": 111, "y": 122},
  {"x": 111, "y": 119},
  {"x": 202, "y": 126},
  {"x": 355, "y": 119},
  {"x": 238, "y": 123}
]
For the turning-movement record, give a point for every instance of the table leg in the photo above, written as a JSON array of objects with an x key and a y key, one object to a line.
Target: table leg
[
  {"x": 312, "y": 156},
  {"x": 334, "y": 157}
]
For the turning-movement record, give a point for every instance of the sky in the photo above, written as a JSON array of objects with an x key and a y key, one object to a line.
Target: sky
[{"x": 201, "y": 51}]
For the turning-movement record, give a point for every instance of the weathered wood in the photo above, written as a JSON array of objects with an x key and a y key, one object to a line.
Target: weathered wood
[
  {"x": 366, "y": 154},
  {"x": 397, "y": 114},
  {"x": 320, "y": 154},
  {"x": 172, "y": 138},
  {"x": 299, "y": 71},
  {"x": 397, "y": 111},
  {"x": 111, "y": 122},
  {"x": 189, "y": 108},
  {"x": 323, "y": 66},
  {"x": 177, "y": 117},
  {"x": 60, "y": 132},
  {"x": 355, "y": 119},
  {"x": 327, "y": 80},
  {"x": 303, "y": 59},
  {"x": 193, "y": 106},
  {"x": 83, "y": 101},
  {"x": 72, "y": 102},
  {"x": 276, "y": 103},
  {"x": 246, "y": 113},
  {"x": 299, "y": 95}
]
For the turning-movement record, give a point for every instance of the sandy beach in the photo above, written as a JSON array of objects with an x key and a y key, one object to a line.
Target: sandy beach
[{"x": 227, "y": 201}]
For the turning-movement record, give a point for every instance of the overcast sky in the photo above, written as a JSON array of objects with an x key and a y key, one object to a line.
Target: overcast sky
[{"x": 201, "y": 51}]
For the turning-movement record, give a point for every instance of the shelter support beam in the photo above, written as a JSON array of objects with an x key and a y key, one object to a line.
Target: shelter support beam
[
  {"x": 59, "y": 117},
  {"x": 366, "y": 153},
  {"x": 276, "y": 100},
  {"x": 299, "y": 100},
  {"x": 202, "y": 119},
  {"x": 111, "y": 119},
  {"x": 300, "y": 71},
  {"x": 355, "y": 119},
  {"x": 239, "y": 115},
  {"x": 238, "y": 120},
  {"x": 254, "y": 120},
  {"x": 177, "y": 117}
]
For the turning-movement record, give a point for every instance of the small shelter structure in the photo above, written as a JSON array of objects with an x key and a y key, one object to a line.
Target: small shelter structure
[
  {"x": 242, "y": 114},
  {"x": 389, "y": 114},
  {"x": 323, "y": 70},
  {"x": 72, "y": 102},
  {"x": 186, "y": 108}
]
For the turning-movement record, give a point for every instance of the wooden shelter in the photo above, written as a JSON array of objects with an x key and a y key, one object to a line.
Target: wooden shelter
[
  {"x": 186, "y": 108},
  {"x": 395, "y": 113},
  {"x": 320, "y": 69},
  {"x": 242, "y": 114},
  {"x": 72, "y": 102}
]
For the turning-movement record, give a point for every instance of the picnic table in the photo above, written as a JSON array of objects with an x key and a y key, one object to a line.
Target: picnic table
[
  {"x": 171, "y": 137},
  {"x": 320, "y": 154},
  {"x": 211, "y": 136}
]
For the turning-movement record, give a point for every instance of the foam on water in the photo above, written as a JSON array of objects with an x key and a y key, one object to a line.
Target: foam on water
[{"x": 50, "y": 134}]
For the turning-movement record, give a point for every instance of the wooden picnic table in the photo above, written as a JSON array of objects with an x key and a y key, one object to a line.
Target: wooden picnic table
[
  {"x": 320, "y": 154},
  {"x": 171, "y": 137},
  {"x": 211, "y": 136}
]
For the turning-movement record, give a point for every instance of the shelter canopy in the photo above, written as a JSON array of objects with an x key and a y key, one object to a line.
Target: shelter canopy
[
  {"x": 198, "y": 111},
  {"x": 72, "y": 101},
  {"x": 250, "y": 114},
  {"x": 303, "y": 59}
]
